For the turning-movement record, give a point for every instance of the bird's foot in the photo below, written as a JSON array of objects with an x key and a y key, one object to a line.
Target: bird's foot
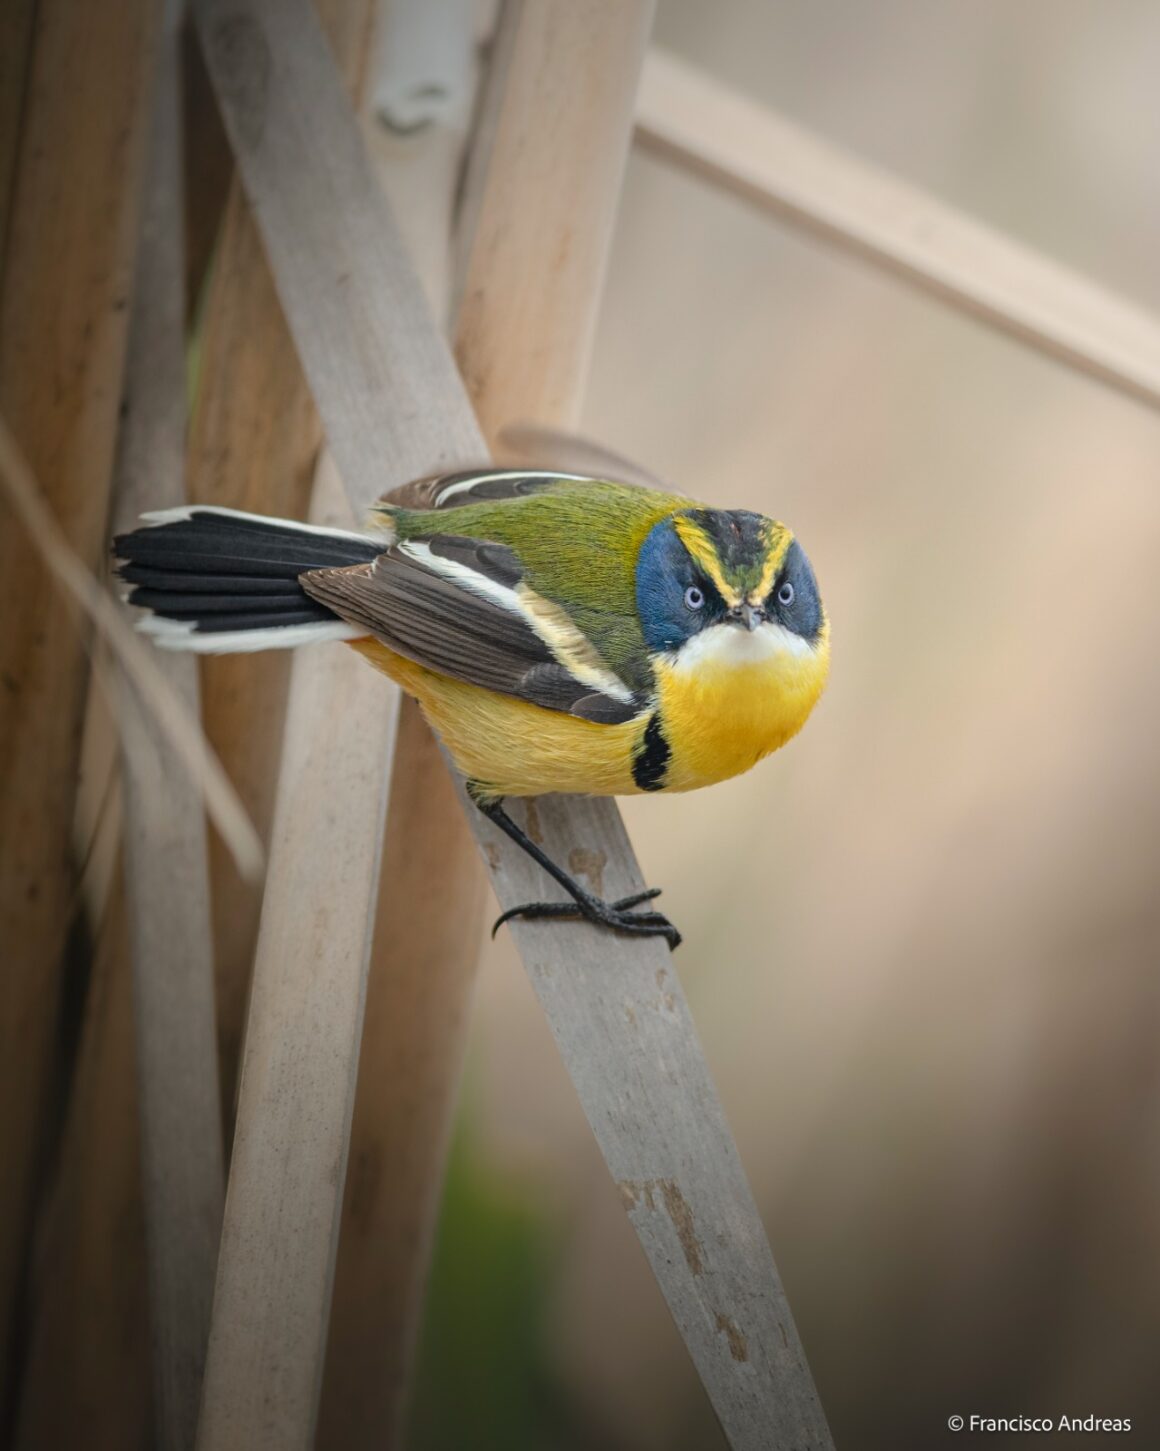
[
  {"x": 584, "y": 906},
  {"x": 616, "y": 915}
]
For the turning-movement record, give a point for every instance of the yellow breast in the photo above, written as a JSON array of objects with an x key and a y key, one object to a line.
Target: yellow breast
[
  {"x": 731, "y": 696},
  {"x": 725, "y": 701}
]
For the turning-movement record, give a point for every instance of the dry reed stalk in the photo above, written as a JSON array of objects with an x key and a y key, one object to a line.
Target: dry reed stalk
[
  {"x": 253, "y": 445},
  {"x": 71, "y": 238},
  {"x": 86, "y": 1375},
  {"x": 428, "y": 927},
  {"x": 166, "y": 866},
  {"x": 418, "y": 1006},
  {"x": 736, "y": 143},
  {"x": 531, "y": 288},
  {"x": 524, "y": 335}
]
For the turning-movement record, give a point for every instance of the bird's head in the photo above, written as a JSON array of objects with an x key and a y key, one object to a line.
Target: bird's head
[{"x": 717, "y": 588}]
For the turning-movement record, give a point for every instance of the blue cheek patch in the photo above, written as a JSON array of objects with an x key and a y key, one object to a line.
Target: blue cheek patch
[
  {"x": 804, "y": 616},
  {"x": 663, "y": 574}
]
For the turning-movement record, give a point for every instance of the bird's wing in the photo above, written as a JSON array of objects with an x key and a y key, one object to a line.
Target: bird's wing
[
  {"x": 463, "y": 607},
  {"x": 475, "y": 486}
]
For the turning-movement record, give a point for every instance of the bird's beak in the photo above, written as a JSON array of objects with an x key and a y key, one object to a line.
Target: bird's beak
[{"x": 748, "y": 615}]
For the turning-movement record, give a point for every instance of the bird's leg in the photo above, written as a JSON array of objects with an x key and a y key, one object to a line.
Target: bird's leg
[{"x": 617, "y": 915}]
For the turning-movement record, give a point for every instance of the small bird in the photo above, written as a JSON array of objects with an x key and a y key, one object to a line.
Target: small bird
[{"x": 560, "y": 633}]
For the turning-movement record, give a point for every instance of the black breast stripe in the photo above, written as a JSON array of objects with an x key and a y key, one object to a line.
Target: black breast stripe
[{"x": 651, "y": 761}]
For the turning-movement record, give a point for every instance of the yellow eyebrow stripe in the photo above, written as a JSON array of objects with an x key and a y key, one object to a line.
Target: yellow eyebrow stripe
[
  {"x": 702, "y": 551},
  {"x": 778, "y": 548}
]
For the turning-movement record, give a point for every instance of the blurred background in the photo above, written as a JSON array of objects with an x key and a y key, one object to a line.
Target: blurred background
[{"x": 921, "y": 942}]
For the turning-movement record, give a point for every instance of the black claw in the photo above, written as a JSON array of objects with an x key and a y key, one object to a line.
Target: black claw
[
  {"x": 568, "y": 911},
  {"x": 615, "y": 915},
  {"x": 635, "y": 900}
]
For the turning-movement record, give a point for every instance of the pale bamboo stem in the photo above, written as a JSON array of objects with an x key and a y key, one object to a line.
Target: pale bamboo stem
[
  {"x": 418, "y": 1005},
  {"x": 547, "y": 208},
  {"x": 253, "y": 445},
  {"x": 429, "y": 923},
  {"x": 167, "y": 877}
]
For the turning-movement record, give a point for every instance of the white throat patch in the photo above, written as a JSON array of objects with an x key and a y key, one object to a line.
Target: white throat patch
[{"x": 727, "y": 645}]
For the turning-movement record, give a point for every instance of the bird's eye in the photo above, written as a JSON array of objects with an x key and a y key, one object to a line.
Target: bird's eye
[
  {"x": 785, "y": 594},
  {"x": 694, "y": 598}
]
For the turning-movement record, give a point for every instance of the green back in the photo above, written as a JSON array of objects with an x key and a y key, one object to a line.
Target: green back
[{"x": 578, "y": 541}]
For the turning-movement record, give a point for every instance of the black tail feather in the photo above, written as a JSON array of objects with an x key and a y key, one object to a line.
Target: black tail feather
[
  {"x": 209, "y": 584},
  {"x": 216, "y": 571}
]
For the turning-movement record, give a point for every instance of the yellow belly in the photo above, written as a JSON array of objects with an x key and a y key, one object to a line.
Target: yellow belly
[
  {"x": 510, "y": 746},
  {"x": 720, "y": 713}
]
